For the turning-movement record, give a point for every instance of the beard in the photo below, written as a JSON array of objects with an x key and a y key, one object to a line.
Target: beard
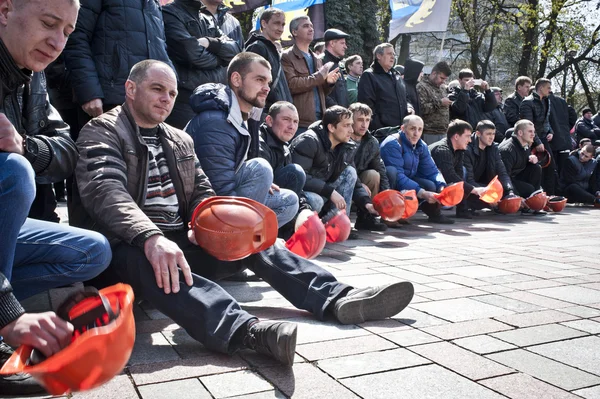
[{"x": 255, "y": 101}]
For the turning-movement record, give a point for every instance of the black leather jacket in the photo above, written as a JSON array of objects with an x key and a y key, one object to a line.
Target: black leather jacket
[{"x": 493, "y": 166}]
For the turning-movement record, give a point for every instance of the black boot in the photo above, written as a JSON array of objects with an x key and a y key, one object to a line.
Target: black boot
[
  {"x": 367, "y": 221},
  {"x": 19, "y": 384},
  {"x": 276, "y": 339}
]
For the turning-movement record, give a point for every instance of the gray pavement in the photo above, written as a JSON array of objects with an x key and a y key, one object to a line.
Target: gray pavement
[{"x": 505, "y": 306}]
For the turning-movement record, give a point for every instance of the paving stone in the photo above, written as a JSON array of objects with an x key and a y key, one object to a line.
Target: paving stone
[
  {"x": 523, "y": 386},
  {"x": 589, "y": 326},
  {"x": 425, "y": 382},
  {"x": 539, "y": 334},
  {"x": 532, "y": 285},
  {"x": 119, "y": 387},
  {"x": 373, "y": 362},
  {"x": 582, "y": 311},
  {"x": 305, "y": 381},
  {"x": 574, "y": 294},
  {"x": 184, "y": 345},
  {"x": 581, "y": 353},
  {"x": 262, "y": 395},
  {"x": 508, "y": 303},
  {"x": 467, "y": 328},
  {"x": 386, "y": 325},
  {"x": 478, "y": 271},
  {"x": 460, "y": 360},
  {"x": 416, "y": 319},
  {"x": 445, "y": 285},
  {"x": 235, "y": 384},
  {"x": 256, "y": 359},
  {"x": 152, "y": 348},
  {"x": 466, "y": 281},
  {"x": 311, "y": 330},
  {"x": 461, "y": 309},
  {"x": 344, "y": 347},
  {"x": 182, "y": 389},
  {"x": 483, "y": 344},
  {"x": 589, "y": 393},
  {"x": 410, "y": 337},
  {"x": 545, "y": 369},
  {"x": 406, "y": 275},
  {"x": 536, "y": 318},
  {"x": 153, "y": 326},
  {"x": 452, "y": 293},
  {"x": 495, "y": 289}
]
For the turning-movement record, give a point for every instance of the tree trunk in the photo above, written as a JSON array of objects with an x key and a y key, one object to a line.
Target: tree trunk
[
  {"x": 529, "y": 36},
  {"x": 404, "y": 49}
]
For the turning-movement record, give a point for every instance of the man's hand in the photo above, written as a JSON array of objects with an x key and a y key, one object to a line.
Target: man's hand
[
  {"x": 164, "y": 256},
  {"x": 371, "y": 209},
  {"x": 549, "y": 137},
  {"x": 93, "y": 108},
  {"x": 427, "y": 196},
  {"x": 484, "y": 85},
  {"x": 324, "y": 70},
  {"x": 274, "y": 187},
  {"x": 366, "y": 189},
  {"x": 540, "y": 148},
  {"x": 469, "y": 84},
  {"x": 44, "y": 331},
  {"x": 338, "y": 200},
  {"x": 446, "y": 102},
  {"x": 10, "y": 139},
  {"x": 533, "y": 159},
  {"x": 479, "y": 191},
  {"x": 203, "y": 42},
  {"x": 333, "y": 76}
]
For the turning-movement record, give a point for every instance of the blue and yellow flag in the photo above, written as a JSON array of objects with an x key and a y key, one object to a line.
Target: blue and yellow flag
[{"x": 413, "y": 16}]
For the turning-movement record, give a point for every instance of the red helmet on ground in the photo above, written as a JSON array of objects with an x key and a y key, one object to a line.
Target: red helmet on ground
[
  {"x": 537, "y": 200},
  {"x": 310, "y": 238},
  {"x": 100, "y": 347},
  {"x": 411, "y": 203},
  {"x": 543, "y": 157},
  {"x": 232, "y": 228},
  {"x": 556, "y": 203},
  {"x": 493, "y": 191},
  {"x": 390, "y": 205},
  {"x": 338, "y": 227},
  {"x": 510, "y": 205},
  {"x": 451, "y": 195}
]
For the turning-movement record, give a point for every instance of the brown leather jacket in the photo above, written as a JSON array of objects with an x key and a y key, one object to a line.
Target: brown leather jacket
[
  {"x": 301, "y": 83},
  {"x": 112, "y": 174}
]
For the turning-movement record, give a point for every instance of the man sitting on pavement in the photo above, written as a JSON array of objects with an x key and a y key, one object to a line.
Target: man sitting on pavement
[
  {"x": 147, "y": 214},
  {"x": 410, "y": 167},
  {"x": 580, "y": 180},
  {"x": 448, "y": 155}
]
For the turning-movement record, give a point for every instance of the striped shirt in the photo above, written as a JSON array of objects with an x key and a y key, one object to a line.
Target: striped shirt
[{"x": 161, "y": 204}]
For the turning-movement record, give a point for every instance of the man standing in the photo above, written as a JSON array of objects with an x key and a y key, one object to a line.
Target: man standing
[
  {"x": 413, "y": 71},
  {"x": 354, "y": 69},
  {"x": 382, "y": 89},
  {"x": 497, "y": 116},
  {"x": 434, "y": 102},
  {"x": 562, "y": 119},
  {"x": 35, "y": 145},
  {"x": 335, "y": 49},
  {"x": 308, "y": 79},
  {"x": 148, "y": 215},
  {"x": 513, "y": 101},
  {"x": 265, "y": 43},
  {"x": 228, "y": 24},
  {"x": 468, "y": 104}
]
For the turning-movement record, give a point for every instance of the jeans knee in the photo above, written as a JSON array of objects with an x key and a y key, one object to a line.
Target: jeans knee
[
  {"x": 99, "y": 254},
  {"x": 392, "y": 174},
  {"x": 17, "y": 183},
  {"x": 260, "y": 168},
  {"x": 315, "y": 201}
]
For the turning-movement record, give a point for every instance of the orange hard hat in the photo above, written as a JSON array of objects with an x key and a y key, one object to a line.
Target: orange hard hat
[
  {"x": 338, "y": 227},
  {"x": 390, "y": 205},
  {"x": 537, "y": 200},
  {"x": 543, "y": 157},
  {"x": 557, "y": 203},
  {"x": 451, "y": 195},
  {"x": 493, "y": 191},
  {"x": 100, "y": 347},
  {"x": 411, "y": 203},
  {"x": 309, "y": 240},
  {"x": 510, "y": 204},
  {"x": 232, "y": 228}
]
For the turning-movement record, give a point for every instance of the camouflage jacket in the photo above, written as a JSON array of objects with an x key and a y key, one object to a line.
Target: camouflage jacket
[{"x": 434, "y": 114}]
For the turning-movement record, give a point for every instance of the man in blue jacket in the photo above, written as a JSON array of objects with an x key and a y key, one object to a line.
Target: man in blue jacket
[{"x": 410, "y": 167}]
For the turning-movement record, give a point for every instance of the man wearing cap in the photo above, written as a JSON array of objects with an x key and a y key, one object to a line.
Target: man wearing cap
[
  {"x": 497, "y": 116},
  {"x": 335, "y": 49},
  {"x": 585, "y": 127}
]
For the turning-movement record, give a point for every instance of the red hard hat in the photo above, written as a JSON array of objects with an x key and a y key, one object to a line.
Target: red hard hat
[
  {"x": 493, "y": 191},
  {"x": 309, "y": 240},
  {"x": 411, "y": 203},
  {"x": 537, "y": 200},
  {"x": 557, "y": 203},
  {"x": 232, "y": 228},
  {"x": 100, "y": 347},
  {"x": 510, "y": 205},
  {"x": 543, "y": 157},
  {"x": 451, "y": 195},
  {"x": 338, "y": 227},
  {"x": 390, "y": 205}
]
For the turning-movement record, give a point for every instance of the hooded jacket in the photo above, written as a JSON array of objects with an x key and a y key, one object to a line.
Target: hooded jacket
[
  {"x": 471, "y": 105},
  {"x": 228, "y": 24},
  {"x": 412, "y": 71},
  {"x": 493, "y": 165},
  {"x": 275, "y": 151},
  {"x": 580, "y": 173},
  {"x": 222, "y": 139},
  {"x": 339, "y": 94},
  {"x": 450, "y": 162},
  {"x": 411, "y": 162}
]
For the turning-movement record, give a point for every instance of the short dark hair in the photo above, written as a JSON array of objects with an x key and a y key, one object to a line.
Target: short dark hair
[
  {"x": 350, "y": 60},
  {"x": 319, "y": 46},
  {"x": 589, "y": 148},
  {"x": 584, "y": 140},
  {"x": 276, "y": 108},
  {"x": 442, "y": 67},
  {"x": 360, "y": 108},
  {"x": 270, "y": 13},
  {"x": 521, "y": 80},
  {"x": 241, "y": 64},
  {"x": 485, "y": 124},
  {"x": 457, "y": 126},
  {"x": 521, "y": 124},
  {"x": 334, "y": 115},
  {"x": 541, "y": 82},
  {"x": 139, "y": 71},
  {"x": 586, "y": 110},
  {"x": 465, "y": 73}
]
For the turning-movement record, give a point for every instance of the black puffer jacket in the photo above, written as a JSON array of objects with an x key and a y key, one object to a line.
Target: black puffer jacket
[
  {"x": 385, "y": 93},
  {"x": 412, "y": 70},
  {"x": 511, "y": 108},
  {"x": 533, "y": 109},
  {"x": 586, "y": 128},
  {"x": 450, "y": 162},
  {"x": 279, "y": 88},
  {"x": 368, "y": 157},
  {"x": 493, "y": 165},
  {"x": 312, "y": 151},
  {"x": 585, "y": 175},
  {"x": 471, "y": 105},
  {"x": 562, "y": 120},
  {"x": 497, "y": 116},
  {"x": 514, "y": 156},
  {"x": 339, "y": 94},
  {"x": 111, "y": 36},
  {"x": 275, "y": 151}
]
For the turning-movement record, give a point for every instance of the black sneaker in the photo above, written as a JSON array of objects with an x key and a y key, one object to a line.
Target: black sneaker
[
  {"x": 529, "y": 212},
  {"x": 353, "y": 235},
  {"x": 369, "y": 222},
  {"x": 19, "y": 384},
  {"x": 441, "y": 219},
  {"x": 373, "y": 303},
  {"x": 463, "y": 214},
  {"x": 276, "y": 339}
]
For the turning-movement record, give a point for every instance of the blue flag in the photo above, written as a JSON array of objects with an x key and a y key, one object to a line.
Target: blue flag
[{"x": 412, "y": 16}]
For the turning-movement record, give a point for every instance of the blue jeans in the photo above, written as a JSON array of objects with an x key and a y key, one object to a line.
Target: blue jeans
[
  {"x": 291, "y": 176},
  {"x": 36, "y": 255},
  {"x": 427, "y": 185},
  {"x": 344, "y": 185},
  {"x": 253, "y": 180}
]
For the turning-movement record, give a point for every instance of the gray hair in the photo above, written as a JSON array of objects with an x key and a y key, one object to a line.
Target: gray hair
[
  {"x": 295, "y": 23},
  {"x": 380, "y": 48},
  {"x": 140, "y": 70}
]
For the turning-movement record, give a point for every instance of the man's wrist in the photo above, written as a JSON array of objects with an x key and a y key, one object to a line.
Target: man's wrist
[{"x": 141, "y": 238}]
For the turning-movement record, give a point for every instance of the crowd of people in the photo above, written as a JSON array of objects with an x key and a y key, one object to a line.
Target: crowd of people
[{"x": 146, "y": 111}]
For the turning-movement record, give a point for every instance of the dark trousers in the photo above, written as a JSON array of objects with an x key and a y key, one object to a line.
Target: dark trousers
[
  {"x": 427, "y": 185},
  {"x": 575, "y": 193},
  {"x": 560, "y": 157},
  {"x": 528, "y": 181},
  {"x": 205, "y": 310},
  {"x": 549, "y": 174}
]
